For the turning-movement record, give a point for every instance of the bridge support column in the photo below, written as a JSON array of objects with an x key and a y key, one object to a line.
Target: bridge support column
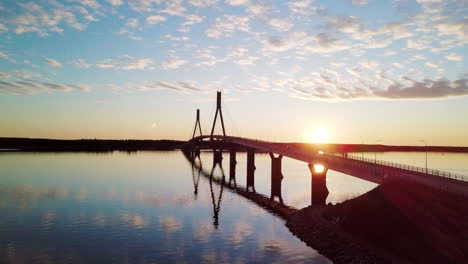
[
  {"x": 195, "y": 153},
  {"x": 276, "y": 177},
  {"x": 250, "y": 170},
  {"x": 217, "y": 157},
  {"x": 319, "y": 184},
  {"x": 232, "y": 167}
]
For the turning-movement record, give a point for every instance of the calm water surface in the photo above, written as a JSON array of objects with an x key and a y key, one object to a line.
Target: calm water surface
[{"x": 139, "y": 208}]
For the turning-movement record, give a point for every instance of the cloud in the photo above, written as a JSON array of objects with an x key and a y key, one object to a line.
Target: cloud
[
  {"x": 454, "y": 57},
  {"x": 237, "y": 2},
  {"x": 313, "y": 89},
  {"x": 431, "y": 64},
  {"x": 52, "y": 18},
  {"x": 173, "y": 63},
  {"x": 224, "y": 26},
  {"x": 175, "y": 38},
  {"x": 53, "y": 63},
  {"x": 280, "y": 24},
  {"x": 155, "y": 19},
  {"x": 257, "y": 9},
  {"x": 459, "y": 29},
  {"x": 418, "y": 44},
  {"x": 425, "y": 89},
  {"x": 161, "y": 85},
  {"x": 428, "y": 1},
  {"x": 91, "y": 3},
  {"x": 132, "y": 22},
  {"x": 128, "y": 33},
  {"x": 360, "y": 2},
  {"x": 202, "y": 3},
  {"x": 124, "y": 63},
  {"x": 173, "y": 8},
  {"x": 3, "y": 28},
  {"x": 115, "y": 2},
  {"x": 192, "y": 19},
  {"x": 247, "y": 60},
  {"x": 19, "y": 82},
  {"x": 3, "y": 55},
  {"x": 139, "y": 64}
]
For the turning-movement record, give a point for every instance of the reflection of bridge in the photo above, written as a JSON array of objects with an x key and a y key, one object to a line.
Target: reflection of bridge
[
  {"x": 278, "y": 208},
  {"x": 319, "y": 163}
]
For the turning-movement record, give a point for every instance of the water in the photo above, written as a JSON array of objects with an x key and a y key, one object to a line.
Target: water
[
  {"x": 448, "y": 162},
  {"x": 137, "y": 208},
  {"x": 141, "y": 208}
]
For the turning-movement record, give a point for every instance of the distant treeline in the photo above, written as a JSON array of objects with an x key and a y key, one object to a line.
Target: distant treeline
[{"x": 35, "y": 144}]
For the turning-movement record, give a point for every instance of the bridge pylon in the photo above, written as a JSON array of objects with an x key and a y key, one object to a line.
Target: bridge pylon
[
  {"x": 218, "y": 109},
  {"x": 197, "y": 125}
]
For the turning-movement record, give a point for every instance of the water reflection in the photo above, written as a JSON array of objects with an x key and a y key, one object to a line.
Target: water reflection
[
  {"x": 216, "y": 199},
  {"x": 139, "y": 208}
]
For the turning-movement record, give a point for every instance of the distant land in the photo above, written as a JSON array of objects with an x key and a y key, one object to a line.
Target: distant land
[{"x": 40, "y": 144}]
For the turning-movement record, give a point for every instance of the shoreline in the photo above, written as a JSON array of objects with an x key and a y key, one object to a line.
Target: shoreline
[{"x": 40, "y": 144}]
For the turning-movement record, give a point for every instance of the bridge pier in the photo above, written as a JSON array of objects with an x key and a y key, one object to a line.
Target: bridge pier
[
  {"x": 217, "y": 157},
  {"x": 276, "y": 177},
  {"x": 250, "y": 170},
  {"x": 195, "y": 153},
  {"x": 319, "y": 184},
  {"x": 232, "y": 168}
]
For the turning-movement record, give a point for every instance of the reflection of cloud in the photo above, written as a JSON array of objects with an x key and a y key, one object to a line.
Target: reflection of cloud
[
  {"x": 100, "y": 219},
  {"x": 184, "y": 201},
  {"x": 241, "y": 231},
  {"x": 169, "y": 223},
  {"x": 254, "y": 210},
  {"x": 203, "y": 231},
  {"x": 82, "y": 194},
  {"x": 26, "y": 195},
  {"x": 48, "y": 219},
  {"x": 133, "y": 220}
]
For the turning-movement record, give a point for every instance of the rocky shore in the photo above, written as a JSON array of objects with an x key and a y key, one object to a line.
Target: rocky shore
[{"x": 398, "y": 222}]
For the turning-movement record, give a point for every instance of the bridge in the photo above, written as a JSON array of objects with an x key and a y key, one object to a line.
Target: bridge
[{"x": 318, "y": 162}]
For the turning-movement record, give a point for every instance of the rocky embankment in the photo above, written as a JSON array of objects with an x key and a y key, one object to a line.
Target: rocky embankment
[{"x": 398, "y": 222}]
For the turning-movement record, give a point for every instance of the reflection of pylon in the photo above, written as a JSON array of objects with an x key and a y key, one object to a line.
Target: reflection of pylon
[
  {"x": 196, "y": 179},
  {"x": 218, "y": 109},
  {"x": 197, "y": 123},
  {"x": 216, "y": 203}
]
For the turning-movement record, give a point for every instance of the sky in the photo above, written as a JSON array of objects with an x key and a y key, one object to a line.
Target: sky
[{"x": 342, "y": 71}]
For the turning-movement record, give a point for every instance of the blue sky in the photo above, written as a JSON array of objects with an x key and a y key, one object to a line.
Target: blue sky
[{"x": 140, "y": 68}]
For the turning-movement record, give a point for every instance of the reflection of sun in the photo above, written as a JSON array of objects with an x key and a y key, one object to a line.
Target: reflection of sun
[{"x": 319, "y": 135}]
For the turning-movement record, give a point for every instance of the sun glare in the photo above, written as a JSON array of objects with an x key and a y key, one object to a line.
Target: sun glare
[
  {"x": 319, "y": 168},
  {"x": 319, "y": 135}
]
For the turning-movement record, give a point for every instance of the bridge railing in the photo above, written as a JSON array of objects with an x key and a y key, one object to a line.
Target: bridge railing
[{"x": 404, "y": 166}]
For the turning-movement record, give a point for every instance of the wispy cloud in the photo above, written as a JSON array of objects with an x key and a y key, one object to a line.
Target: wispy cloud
[
  {"x": 20, "y": 82},
  {"x": 124, "y": 62},
  {"x": 53, "y": 63}
]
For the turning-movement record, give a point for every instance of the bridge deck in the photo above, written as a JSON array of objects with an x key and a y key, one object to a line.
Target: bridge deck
[{"x": 366, "y": 169}]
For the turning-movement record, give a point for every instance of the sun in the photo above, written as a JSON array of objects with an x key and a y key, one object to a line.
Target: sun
[{"x": 319, "y": 135}]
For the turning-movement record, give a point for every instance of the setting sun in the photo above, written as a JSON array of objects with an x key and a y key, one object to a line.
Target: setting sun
[{"x": 319, "y": 135}]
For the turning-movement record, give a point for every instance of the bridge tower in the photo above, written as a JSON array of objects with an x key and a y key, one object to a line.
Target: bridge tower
[
  {"x": 218, "y": 109},
  {"x": 197, "y": 125}
]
